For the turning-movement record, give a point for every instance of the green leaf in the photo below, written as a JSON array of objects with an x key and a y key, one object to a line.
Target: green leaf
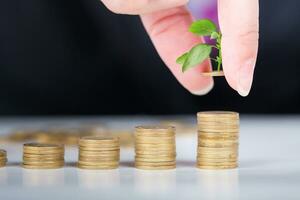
[
  {"x": 203, "y": 27},
  {"x": 196, "y": 56},
  {"x": 214, "y": 35},
  {"x": 180, "y": 60}
]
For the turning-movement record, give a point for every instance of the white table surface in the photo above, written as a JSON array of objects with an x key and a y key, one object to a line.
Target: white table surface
[{"x": 269, "y": 167}]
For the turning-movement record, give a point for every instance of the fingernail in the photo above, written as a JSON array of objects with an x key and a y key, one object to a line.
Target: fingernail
[
  {"x": 205, "y": 90},
  {"x": 245, "y": 77}
]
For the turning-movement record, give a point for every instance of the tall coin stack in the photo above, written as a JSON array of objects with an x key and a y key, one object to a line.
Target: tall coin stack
[
  {"x": 155, "y": 147},
  {"x": 218, "y": 140},
  {"x": 99, "y": 152},
  {"x": 3, "y": 158},
  {"x": 43, "y": 156}
]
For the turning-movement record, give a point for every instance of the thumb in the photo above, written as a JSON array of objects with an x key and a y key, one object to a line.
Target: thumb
[
  {"x": 239, "y": 26},
  {"x": 168, "y": 30}
]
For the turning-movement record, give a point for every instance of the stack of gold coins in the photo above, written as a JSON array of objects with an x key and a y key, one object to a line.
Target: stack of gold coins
[
  {"x": 3, "y": 158},
  {"x": 96, "y": 152},
  {"x": 218, "y": 140},
  {"x": 155, "y": 147},
  {"x": 43, "y": 156}
]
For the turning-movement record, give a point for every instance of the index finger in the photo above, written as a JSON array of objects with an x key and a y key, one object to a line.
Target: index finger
[{"x": 168, "y": 30}]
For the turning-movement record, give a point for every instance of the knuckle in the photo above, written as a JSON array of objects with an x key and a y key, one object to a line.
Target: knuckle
[{"x": 246, "y": 34}]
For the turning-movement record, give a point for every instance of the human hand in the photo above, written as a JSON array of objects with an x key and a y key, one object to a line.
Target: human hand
[{"x": 167, "y": 23}]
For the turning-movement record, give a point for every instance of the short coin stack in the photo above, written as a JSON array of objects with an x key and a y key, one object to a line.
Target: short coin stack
[
  {"x": 43, "y": 156},
  {"x": 155, "y": 147},
  {"x": 99, "y": 152},
  {"x": 218, "y": 140},
  {"x": 3, "y": 158}
]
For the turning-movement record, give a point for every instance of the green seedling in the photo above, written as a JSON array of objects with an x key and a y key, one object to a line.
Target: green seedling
[{"x": 201, "y": 52}]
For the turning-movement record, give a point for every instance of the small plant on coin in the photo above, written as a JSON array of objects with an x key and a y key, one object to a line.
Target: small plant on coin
[{"x": 201, "y": 52}]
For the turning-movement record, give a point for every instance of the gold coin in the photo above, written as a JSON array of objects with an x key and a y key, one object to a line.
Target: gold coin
[
  {"x": 171, "y": 146},
  {"x": 154, "y": 135},
  {"x": 155, "y": 131},
  {"x": 155, "y": 141},
  {"x": 218, "y": 144},
  {"x": 145, "y": 167},
  {"x": 86, "y": 148},
  {"x": 43, "y": 162},
  {"x": 219, "y": 137},
  {"x": 100, "y": 147},
  {"x": 154, "y": 144},
  {"x": 43, "y": 159},
  {"x": 219, "y": 156},
  {"x": 213, "y": 114},
  {"x": 94, "y": 167},
  {"x": 58, "y": 155},
  {"x": 220, "y": 119},
  {"x": 218, "y": 153},
  {"x": 151, "y": 128},
  {"x": 227, "y": 163},
  {"x": 206, "y": 140},
  {"x": 217, "y": 167},
  {"x": 203, "y": 159},
  {"x": 155, "y": 148},
  {"x": 43, "y": 151},
  {"x": 99, "y": 140},
  {"x": 218, "y": 123},
  {"x": 155, "y": 138},
  {"x": 42, "y": 167},
  {"x": 3, "y": 153},
  {"x": 154, "y": 153},
  {"x": 99, "y": 153},
  {"x": 38, "y": 146},
  {"x": 226, "y": 132},
  {"x": 149, "y": 163},
  {"x": 107, "y": 162},
  {"x": 139, "y": 159},
  {"x": 156, "y": 156},
  {"x": 223, "y": 149},
  {"x": 99, "y": 158},
  {"x": 202, "y": 127}
]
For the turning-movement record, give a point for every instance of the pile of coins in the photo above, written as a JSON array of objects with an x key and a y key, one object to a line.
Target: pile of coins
[
  {"x": 218, "y": 140},
  {"x": 155, "y": 147},
  {"x": 43, "y": 156},
  {"x": 3, "y": 158},
  {"x": 99, "y": 152}
]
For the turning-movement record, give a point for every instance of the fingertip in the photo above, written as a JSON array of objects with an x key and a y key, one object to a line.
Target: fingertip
[
  {"x": 238, "y": 64},
  {"x": 205, "y": 90}
]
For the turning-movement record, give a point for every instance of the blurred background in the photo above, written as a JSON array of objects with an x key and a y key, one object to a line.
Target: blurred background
[{"x": 76, "y": 57}]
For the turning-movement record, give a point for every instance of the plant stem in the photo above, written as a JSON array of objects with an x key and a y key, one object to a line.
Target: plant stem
[
  {"x": 219, "y": 66},
  {"x": 219, "y": 60}
]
